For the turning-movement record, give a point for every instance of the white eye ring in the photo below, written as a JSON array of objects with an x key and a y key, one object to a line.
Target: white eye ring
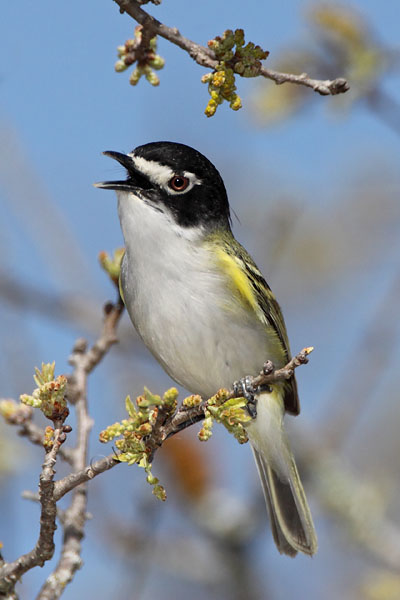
[{"x": 179, "y": 183}]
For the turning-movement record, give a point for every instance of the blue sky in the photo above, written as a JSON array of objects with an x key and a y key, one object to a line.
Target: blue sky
[{"x": 62, "y": 104}]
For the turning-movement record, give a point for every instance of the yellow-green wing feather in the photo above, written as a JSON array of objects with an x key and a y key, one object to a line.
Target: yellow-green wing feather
[{"x": 254, "y": 290}]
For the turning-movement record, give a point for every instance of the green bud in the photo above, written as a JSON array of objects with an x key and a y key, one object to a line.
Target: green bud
[
  {"x": 120, "y": 66},
  {"x": 206, "y": 431},
  {"x": 135, "y": 76},
  {"x": 207, "y": 78},
  {"x": 30, "y": 401},
  {"x": 160, "y": 492},
  {"x": 9, "y": 408},
  {"x": 151, "y": 77},
  {"x": 227, "y": 56},
  {"x": 157, "y": 63},
  {"x": 239, "y": 37},
  {"x": 151, "y": 479},
  {"x": 170, "y": 399},
  {"x": 191, "y": 401},
  {"x": 239, "y": 68},
  {"x": 112, "y": 265}
]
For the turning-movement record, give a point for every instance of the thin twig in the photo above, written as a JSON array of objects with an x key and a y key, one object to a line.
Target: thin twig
[
  {"x": 73, "y": 522},
  {"x": 10, "y": 573},
  {"x": 88, "y": 359},
  {"x": 324, "y": 87},
  {"x": 22, "y": 418},
  {"x": 68, "y": 483},
  {"x": 36, "y": 435},
  {"x": 205, "y": 57},
  {"x": 269, "y": 374}
]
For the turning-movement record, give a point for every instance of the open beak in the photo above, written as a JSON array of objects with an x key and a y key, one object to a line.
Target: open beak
[{"x": 126, "y": 162}]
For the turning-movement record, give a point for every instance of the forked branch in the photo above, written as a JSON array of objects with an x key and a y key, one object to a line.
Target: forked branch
[{"x": 184, "y": 417}]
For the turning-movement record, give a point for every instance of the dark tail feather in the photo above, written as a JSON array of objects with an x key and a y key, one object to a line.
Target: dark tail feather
[{"x": 291, "y": 521}]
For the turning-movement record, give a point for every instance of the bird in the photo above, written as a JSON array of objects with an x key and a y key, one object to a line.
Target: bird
[{"x": 205, "y": 311}]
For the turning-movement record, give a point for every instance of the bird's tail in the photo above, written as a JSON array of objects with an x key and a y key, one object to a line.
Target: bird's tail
[{"x": 291, "y": 522}]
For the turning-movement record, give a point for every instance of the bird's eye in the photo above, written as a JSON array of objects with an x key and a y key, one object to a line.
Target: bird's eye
[{"x": 178, "y": 183}]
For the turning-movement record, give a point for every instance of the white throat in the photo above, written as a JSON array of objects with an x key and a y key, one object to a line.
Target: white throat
[{"x": 151, "y": 233}]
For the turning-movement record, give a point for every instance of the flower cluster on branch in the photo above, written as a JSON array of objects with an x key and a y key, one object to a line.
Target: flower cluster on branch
[
  {"x": 134, "y": 432},
  {"x": 154, "y": 419},
  {"x": 233, "y": 58},
  {"x": 49, "y": 396},
  {"x": 221, "y": 80},
  {"x": 141, "y": 50}
]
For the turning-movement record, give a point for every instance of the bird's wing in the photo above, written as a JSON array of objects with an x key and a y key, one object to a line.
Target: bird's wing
[{"x": 249, "y": 282}]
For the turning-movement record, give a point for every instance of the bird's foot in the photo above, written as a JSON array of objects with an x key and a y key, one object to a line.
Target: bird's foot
[{"x": 245, "y": 388}]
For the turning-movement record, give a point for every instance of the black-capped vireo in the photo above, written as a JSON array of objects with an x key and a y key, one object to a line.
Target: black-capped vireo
[{"x": 204, "y": 310}]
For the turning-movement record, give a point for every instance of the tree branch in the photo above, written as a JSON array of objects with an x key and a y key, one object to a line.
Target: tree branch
[
  {"x": 324, "y": 87},
  {"x": 22, "y": 417},
  {"x": 73, "y": 518},
  {"x": 184, "y": 417},
  {"x": 84, "y": 361},
  {"x": 205, "y": 57},
  {"x": 68, "y": 483},
  {"x": 10, "y": 573}
]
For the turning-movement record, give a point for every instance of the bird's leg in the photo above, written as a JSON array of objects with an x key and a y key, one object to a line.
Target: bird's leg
[{"x": 245, "y": 388}]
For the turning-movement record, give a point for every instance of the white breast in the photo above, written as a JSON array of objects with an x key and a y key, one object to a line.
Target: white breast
[{"x": 181, "y": 305}]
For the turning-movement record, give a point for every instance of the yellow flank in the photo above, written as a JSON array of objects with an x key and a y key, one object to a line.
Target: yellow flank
[
  {"x": 121, "y": 292},
  {"x": 240, "y": 282}
]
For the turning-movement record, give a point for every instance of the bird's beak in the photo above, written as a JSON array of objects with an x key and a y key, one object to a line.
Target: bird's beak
[{"x": 126, "y": 162}]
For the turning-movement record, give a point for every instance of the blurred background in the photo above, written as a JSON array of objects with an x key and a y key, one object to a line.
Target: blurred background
[{"x": 314, "y": 182}]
